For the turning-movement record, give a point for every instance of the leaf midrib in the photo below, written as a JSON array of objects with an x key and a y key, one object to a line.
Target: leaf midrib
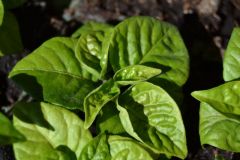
[{"x": 154, "y": 46}]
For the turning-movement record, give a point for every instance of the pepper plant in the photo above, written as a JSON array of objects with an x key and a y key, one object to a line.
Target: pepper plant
[
  {"x": 219, "y": 107},
  {"x": 123, "y": 78}
]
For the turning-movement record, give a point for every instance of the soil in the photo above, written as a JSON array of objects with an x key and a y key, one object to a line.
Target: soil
[{"x": 205, "y": 26}]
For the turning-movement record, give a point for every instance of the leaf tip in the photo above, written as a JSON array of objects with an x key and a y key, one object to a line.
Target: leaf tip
[
  {"x": 196, "y": 94},
  {"x": 11, "y": 74}
]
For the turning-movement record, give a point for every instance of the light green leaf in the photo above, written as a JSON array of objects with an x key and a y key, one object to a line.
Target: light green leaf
[
  {"x": 115, "y": 148},
  {"x": 218, "y": 129},
  {"x": 150, "y": 115},
  {"x": 8, "y": 133},
  {"x": 97, "y": 149},
  {"x": 108, "y": 120},
  {"x": 54, "y": 74},
  {"x": 90, "y": 27},
  {"x": 88, "y": 52},
  {"x": 10, "y": 40},
  {"x": 147, "y": 41},
  {"x": 11, "y": 4},
  {"x": 95, "y": 100},
  {"x": 123, "y": 148},
  {"x": 43, "y": 143},
  {"x": 135, "y": 73},
  {"x": 231, "y": 61},
  {"x": 1, "y": 12},
  {"x": 224, "y": 98}
]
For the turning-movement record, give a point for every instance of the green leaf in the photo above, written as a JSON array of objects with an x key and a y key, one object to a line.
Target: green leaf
[
  {"x": 171, "y": 88},
  {"x": 151, "y": 116},
  {"x": 147, "y": 41},
  {"x": 97, "y": 149},
  {"x": 218, "y": 129},
  {"x": 224, "y": 98},
  {"x": 88, "y": 52},
  {"x": 1, "y": 12},
  {"x": 11, "y": 4},
  {"x": 67, "y": 154},
  {"x": 90, "y": 27},
  {"x": 123, "y": 148},
  {"x": 231, "y": 61},
  {"x": 108, "y": 120},
  {"x": 54, "y": 74},
  {"x": 115, "y": 148},
  {"x": 10, "y": 40},
  {"x": 95, "y": 100},
  {"x": 43, "y": 143},
  {"x": 28, "y": 115},
  {"x": 135, "y": 73},
  {"x": 8, "y": 133}
]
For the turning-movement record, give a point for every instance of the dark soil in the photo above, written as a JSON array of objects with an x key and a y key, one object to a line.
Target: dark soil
[{"x": 205, "y": 26}]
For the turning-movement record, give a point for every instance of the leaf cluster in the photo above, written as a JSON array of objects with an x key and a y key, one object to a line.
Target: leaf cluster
[{"x": 122, "y": 77}]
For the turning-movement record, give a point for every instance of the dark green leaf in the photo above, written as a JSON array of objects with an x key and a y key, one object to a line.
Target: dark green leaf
[
  {"x": 10, "y": 40},
  {"x": 95, "y": 100},
  {"x": 224, "y": 98},
  {"x": 43, "y": 143},
  {"x": 231, "y": 62},
  {"x": 108, "y": 120},
  {"x": 28, "y": 115},
  {"x": 151, "y": 116},
  {"x": 147, "y": 41},
  {"x": 8, "y": 133},
  {"x": 67, "y": 154},
  {"x": 54, "y": 74},
  {"x": 135, "y": 73},
  {"x": 97, "y": 149},
  {"x": 218, "y": 129},
  {"x": 90, "y": 27}
]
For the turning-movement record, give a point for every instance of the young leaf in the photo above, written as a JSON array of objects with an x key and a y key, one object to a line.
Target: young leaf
[
  {"x": 150, "y": 115},
  {"x": 90, "y": 27},
  {"x": 8, "y": 133},
  {"x": 108, "y": 120},
  {"x": 54, "y": 74},
  {"x": 218, "y": 129},
  {"x": 43, "y": 143},
  {"x": 97, "y": 149},
  {"x": 231, "y": 62},
  {"x": 224, "y": 98},
  {"x": 1, "y": 12},
  {"x": 95, "y": 100},
  {"x": 10, "y": 41},
  {"x": 135, "y": 73},
  {"x": 123, "y": 148},
  {"x": 150, "y": 42},
  {"x": 88, "y": 52}
]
